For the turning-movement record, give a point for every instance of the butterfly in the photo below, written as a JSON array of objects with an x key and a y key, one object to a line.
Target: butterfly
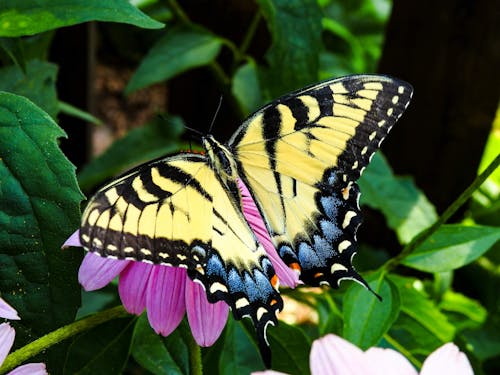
[{"x": 299, "y": 157}]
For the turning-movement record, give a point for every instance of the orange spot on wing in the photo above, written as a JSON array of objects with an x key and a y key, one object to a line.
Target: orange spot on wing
[
  {"x": 295, "y": 266},
  {"x": 200, "y": 152},
  {"x": 274, "y": 281},
  {"x": 319, "y": 274},
  {"x": 345, "y": 193}
]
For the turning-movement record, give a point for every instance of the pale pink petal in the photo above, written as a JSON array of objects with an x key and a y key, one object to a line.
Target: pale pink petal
[
  {"x": 7, "y": 335},
  {"x": 165, "y": 298},
  {"x": 332, "y": 355},
  {"x": 285, "y": 275},
  {"x": 388, "y": 362},
  {"x": 133, "y": 286},
  {"x": 96, "y": 272},
  {"x": 447, "y": 359},
  {"x": 73, "y": 240},
  {"x": 207, "y": 320},
  {"x": 30, "y": 369},
  {"x": 7, "y": 311},
  {"x": 268, "y": 372}
]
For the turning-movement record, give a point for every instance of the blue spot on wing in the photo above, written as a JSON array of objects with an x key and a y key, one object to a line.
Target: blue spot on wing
[
  {"x": 215, "y": 267},
  {"x": 251, "y": 288},
  {"x": 308, "y": 257},
  {"x": 323, "y": 248},
  {"x": 330, "y": 205},
  {"x": 330, "y": 230},
  {"x": 235, "y": 282}
]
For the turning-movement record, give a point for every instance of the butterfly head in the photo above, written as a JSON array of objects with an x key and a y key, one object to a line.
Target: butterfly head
[{"x": 221, "y": 158}]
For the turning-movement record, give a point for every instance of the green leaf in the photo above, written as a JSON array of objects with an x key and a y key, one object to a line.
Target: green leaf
[
  {"x": 452, "y": 246},
  {"x": 406, "y": 208},
  {"x": 28, "y": 17},
  {"x": 463, "y": 311},
  {"x": 179, "y": 50},
  {"x": 102, "y": 350},
  {"x": 38, "y": 84},
  {"x": 366, "y": 319},
  {"x": 240, "y": 354},
  {"x": 39, "y": 209},
  {"x": 290, "y": 349},
  {"x": 484, "y": 342},
  {"x": 295, "y": 26},
  {"x": 13, "y": 47},
  {"x": 432, "y": 324},
  {"x": 161, "y": 355},
  {"x": 139, "y": 145},
  {"x": 246, "y": 88},
  {"x": 70, "y": 110}
]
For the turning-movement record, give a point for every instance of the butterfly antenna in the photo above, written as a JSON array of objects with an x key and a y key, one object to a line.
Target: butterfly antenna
[
  {"x": 215, "y": 115},
  {"x": 193, "y": 130}
]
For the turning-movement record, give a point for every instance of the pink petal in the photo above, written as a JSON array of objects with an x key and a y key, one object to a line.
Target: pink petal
[
  {"x": 7, "y": 312},
  {"x": 332, "y": 355},
  {"x": 207, "y": 320},
  {"x": 96, "y": 272},
  {"x": 447, "y": 359},
  {"x": 388, "y": 362},
  {"x": 73, "y": 240},
  {"x": 30, "y": 369},
  {"x": 165, "y": 301},
  {"x": 285, "y": 275},
  {"x": 133, "y": 286},
  {"x": 7, "y": 335}
]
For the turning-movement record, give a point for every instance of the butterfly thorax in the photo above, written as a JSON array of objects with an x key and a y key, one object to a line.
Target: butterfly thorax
[{"x": 221, "y": 159}]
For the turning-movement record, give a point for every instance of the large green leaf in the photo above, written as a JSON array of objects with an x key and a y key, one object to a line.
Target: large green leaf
[
  {"x": 28, "y": 17},
  {"x": 150, "y": 141},
  {"x": 240, "y": 354},
  {"x": 295, "y": 26},
  {"x": 179, "y": 50},
  {"x": 246, "y": 89},
  {"x": 39, "y": 209},
  {"x": 452, "y": 246},
  {"x": 290, "y": 349},
  {"x": 406, "y": 208},
  {"x": 366, "y": 319},
  {"x": 161, "y": 355},
  {"x": 102, "y": 350},
  {"x": 421, "y": 327},
  {"x": 38, "y": 84},
  {"x": 462, "y": 311}
]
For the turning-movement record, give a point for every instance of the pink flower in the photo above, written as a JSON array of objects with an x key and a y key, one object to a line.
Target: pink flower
[
  {"x": 167, "y": 292},
  {"x": 7, "y": 335},
  {"x": 7, "y": 312},
  {"x": 333, "y": 355}
]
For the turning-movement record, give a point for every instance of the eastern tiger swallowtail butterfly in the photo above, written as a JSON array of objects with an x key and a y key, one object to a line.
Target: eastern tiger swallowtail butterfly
[{"x": 299, "y": 156}]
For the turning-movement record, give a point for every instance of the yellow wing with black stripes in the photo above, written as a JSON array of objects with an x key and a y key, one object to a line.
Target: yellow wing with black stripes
[
  {"x": 300, "y": 157},
  {"x": 176, "y": 212}
]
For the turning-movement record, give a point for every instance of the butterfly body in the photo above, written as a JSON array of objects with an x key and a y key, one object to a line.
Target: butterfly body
[{"x": 299, "y": 157}]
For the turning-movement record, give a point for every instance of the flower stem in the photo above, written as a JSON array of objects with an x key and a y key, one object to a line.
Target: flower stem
[
  {"x": 33, "y": 348},
  {"x": 426, "y": 233},
  {"x": 195, "y": 364}
]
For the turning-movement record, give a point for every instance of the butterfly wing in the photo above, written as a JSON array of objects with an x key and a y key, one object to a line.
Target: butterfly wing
[
  {"x": 300, "y": 157},
  {"x": 176, "y": 212}
]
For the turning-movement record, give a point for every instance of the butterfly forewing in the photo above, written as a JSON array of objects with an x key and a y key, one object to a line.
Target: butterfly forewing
[{"x": 301, "y": 156}]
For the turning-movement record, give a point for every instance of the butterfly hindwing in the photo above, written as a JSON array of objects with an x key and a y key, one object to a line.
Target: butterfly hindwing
[
  {"x": 176, "y": 212},
  {"x": 301, "y": 155}
]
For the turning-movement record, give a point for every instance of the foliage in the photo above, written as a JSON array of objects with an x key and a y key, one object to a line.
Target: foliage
[{"x": 310, "y": 40}]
